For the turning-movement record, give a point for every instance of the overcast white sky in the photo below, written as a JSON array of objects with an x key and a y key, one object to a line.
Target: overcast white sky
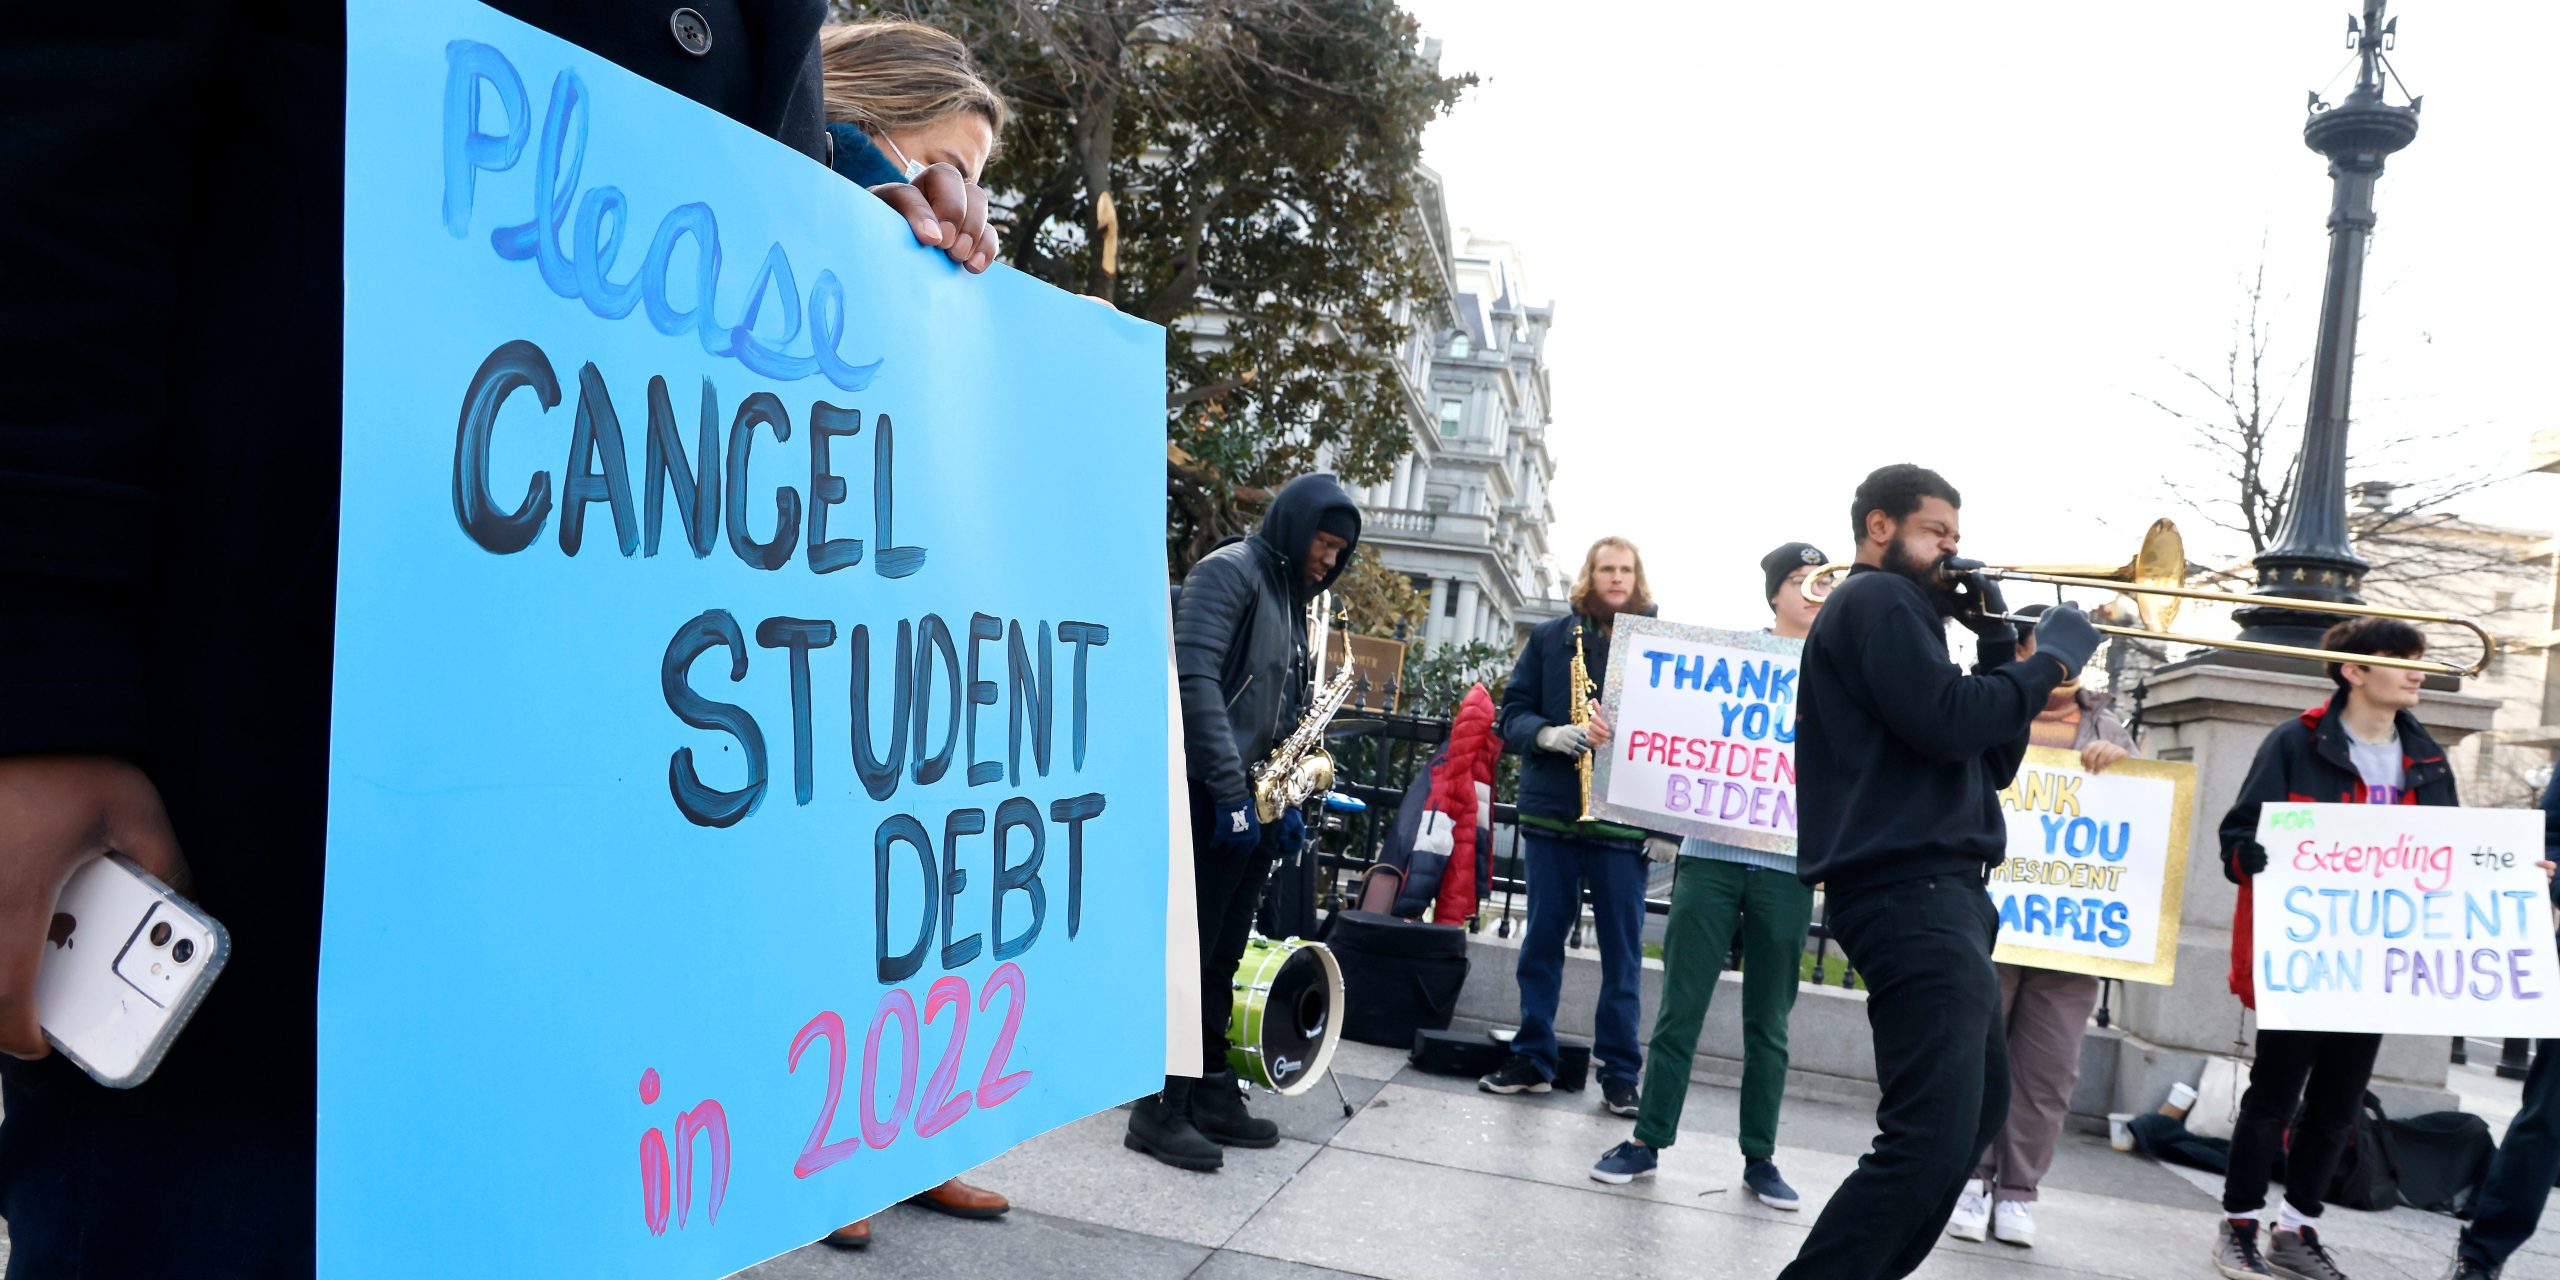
[{"x": 1788, "y": 243}]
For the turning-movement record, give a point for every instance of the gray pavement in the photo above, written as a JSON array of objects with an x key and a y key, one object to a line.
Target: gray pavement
[{"x": 1433, "y": 1179}]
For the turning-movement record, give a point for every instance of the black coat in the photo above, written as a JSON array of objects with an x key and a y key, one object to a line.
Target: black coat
[
  {"x": 1240, "y": 637},
  {"x": 169, "y": 462},
  {"x": 1540, "y": 695}
]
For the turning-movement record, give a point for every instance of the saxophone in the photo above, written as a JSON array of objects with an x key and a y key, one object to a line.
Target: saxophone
[
  {"x": 1579, "y": 686},
  {"x": 1300, "y": 766}
]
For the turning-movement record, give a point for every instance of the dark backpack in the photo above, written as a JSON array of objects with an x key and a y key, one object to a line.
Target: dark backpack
[
  {"x": 2443, "y": 1158},
  {"x": 2368, "y": 1175}
]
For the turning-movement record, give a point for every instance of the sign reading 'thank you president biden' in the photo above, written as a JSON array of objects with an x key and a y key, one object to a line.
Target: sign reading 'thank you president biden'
[
  {"x": 748, "y": 784},
  {"x": 1704, "y": 733},
  {"x": 2402, "y": 918},
  {"x": 2096, "y": 872}
]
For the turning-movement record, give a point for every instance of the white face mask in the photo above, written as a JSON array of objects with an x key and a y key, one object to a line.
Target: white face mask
[{"x": 909, "y": 169}]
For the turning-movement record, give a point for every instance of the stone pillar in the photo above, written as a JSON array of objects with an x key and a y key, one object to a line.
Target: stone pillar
[
  {"x": 1467, "y": 616},
  {"x": 2214, "y": 717},
  {"x": 1435, "y": 624}
]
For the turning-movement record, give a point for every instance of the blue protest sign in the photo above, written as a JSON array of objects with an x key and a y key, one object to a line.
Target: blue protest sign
[{"x": 748, "y": 774}]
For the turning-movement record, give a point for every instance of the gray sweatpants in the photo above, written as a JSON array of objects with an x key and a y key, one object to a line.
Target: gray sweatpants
[{"x": 2046, "y": 1013}]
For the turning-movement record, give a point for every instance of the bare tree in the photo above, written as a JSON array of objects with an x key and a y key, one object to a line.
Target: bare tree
[
  {"x": 2405, "y": 483},
  {"x": 2405, "y": 486}
]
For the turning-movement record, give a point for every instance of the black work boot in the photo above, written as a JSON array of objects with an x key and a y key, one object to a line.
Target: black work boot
[
  {"x": 1217, "y": 1109},
  {"x": 1160, "y": 1125}
]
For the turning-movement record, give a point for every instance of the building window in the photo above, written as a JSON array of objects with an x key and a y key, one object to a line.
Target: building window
[
  {"x": 1453, "y": 415},
  {"x": 1459, "y": 347},
  {"x": 1435, "y": 502},
  {"x": 1449, "y": 600}
]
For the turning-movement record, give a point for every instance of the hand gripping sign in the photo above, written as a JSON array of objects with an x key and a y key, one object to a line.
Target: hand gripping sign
[
  {"x": 1703, "y": 726},
  {"x": 748, "y": 783},
  {"x": 2404, "y": 919},
  {"x": 2096, "y": 872}
]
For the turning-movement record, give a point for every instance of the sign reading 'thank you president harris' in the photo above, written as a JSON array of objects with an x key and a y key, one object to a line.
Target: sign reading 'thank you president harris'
[
  {"x": 748, "y": 775},
  {"x": 2404, "y": 918},
  {"x": 1703, "y": 727},
  {"x": 2096, "y": 872}
]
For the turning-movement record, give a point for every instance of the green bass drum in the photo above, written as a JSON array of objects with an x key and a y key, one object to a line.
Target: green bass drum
[{"x": 1287, "y": 1016}]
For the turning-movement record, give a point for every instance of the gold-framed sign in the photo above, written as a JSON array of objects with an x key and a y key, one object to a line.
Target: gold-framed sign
[{"x": 2097, "y": 867}]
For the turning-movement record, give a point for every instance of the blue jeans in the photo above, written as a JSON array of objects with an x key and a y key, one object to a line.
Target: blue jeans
[
  {"x": 1557, "y": 870},
  {"x": 2520, "y": 1178}
]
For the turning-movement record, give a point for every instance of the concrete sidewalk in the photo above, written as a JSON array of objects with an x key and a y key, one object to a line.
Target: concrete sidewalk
[{"x": 1433, "y": 1179}]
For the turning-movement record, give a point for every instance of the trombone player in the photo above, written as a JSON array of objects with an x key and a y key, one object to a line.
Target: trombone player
[
  {"x": 1900, "y": 759},
  {"x": 1550, "y": 717}
]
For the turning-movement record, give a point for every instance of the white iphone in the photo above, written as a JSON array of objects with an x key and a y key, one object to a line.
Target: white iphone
[{"x": 126, "y": 961}]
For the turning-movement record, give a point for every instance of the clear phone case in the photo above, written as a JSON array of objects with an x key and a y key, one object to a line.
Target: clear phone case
[{"x": 126, "y": 963}]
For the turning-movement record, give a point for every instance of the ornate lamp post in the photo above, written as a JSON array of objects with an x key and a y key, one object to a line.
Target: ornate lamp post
[{"x": 2311, "y": 558}]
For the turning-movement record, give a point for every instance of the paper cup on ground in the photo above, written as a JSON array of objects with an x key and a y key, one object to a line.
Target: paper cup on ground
[
  {"x": 2182, "y": 1098},
  {"x": 2120, "y": 1130}
]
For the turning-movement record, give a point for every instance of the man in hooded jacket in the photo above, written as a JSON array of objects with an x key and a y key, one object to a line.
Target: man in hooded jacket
[{"x": 1240, "y": 648}]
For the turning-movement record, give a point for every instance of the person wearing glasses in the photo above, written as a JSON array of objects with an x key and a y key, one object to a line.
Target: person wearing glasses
[{"x": 1720, "y": 890}]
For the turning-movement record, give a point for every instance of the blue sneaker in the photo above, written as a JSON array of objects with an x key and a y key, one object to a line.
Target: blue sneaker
[
  {"x": 1625, "y": 1163},
  {"x": 1762, "y": 1177}
]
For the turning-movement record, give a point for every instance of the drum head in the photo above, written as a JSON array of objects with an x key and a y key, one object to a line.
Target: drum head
[{"x": 1288, "y": 1015}]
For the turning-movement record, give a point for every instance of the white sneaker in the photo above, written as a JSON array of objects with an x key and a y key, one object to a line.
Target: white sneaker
[
  {"x": 1973, "y": 1212},
  {"x": 2014, "y": 1222}
]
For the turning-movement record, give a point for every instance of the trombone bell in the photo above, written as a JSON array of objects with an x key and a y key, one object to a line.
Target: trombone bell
[{"x": 2159, "y": 566}]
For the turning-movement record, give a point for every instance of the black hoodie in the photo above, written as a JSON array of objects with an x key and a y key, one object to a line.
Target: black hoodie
[{"x": 1240, "y": 636}]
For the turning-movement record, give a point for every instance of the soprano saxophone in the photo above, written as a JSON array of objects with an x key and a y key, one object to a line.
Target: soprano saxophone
[
  {"x": 1579, "y": 680},
  {"x": 1300, "y": 766}
]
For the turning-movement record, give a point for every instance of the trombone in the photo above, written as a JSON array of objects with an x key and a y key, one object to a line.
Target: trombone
[{"x": 2156, "y": 580}]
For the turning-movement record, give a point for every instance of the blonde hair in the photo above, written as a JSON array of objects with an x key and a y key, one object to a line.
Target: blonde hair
[
  {"x": 885, "y": 74},
  {"x": 1640, "y": 601}
]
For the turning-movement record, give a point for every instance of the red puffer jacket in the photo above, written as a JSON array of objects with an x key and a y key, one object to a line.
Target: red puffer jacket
[
  {"x": 1473, "y": 750},
  {"x": 2306, "y": 760}
]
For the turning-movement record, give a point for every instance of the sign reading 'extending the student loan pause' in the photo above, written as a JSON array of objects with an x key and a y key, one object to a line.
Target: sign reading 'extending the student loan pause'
[{"x": 2401, "y": 918}]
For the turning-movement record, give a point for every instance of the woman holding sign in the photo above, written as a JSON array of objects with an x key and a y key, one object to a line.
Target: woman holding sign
[
  {"x": 2364, "y": 747},
  {"x": 2046, "y": 1011},
  {"x": 901, "y": 96}
]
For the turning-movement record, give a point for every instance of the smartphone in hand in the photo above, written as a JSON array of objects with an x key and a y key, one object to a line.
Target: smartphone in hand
[{"x": 126, "y": 962}]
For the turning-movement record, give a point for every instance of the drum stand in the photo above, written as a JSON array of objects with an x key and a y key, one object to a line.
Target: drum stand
[{"x": 1339, "y": 1094}]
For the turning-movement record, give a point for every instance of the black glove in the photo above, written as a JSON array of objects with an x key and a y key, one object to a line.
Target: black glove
[
  {"x": 1983, "y": 610},
  {"x": 1293, "y": 831},
  {"x": 2249, "y": 857},
  {"x": 2065, "y": 634}
]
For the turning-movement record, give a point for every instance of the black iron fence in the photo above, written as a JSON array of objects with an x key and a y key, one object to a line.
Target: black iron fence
[{"x": 1376, "y": 757}]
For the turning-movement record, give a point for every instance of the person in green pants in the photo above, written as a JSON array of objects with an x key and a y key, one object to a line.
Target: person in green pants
[{"x": 1719, "y": 890}]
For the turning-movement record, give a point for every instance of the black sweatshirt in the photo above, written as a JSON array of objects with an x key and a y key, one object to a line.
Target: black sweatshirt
[{"x": 1900, "y": 757}]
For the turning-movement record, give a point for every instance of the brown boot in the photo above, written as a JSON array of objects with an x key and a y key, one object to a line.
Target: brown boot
[
  {"x": 961, "y": 1200},
  {"x": 857, "y": 1236}
]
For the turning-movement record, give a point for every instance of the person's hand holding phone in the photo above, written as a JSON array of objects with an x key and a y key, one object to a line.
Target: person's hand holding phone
[{"x": 57, "y": 812}]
